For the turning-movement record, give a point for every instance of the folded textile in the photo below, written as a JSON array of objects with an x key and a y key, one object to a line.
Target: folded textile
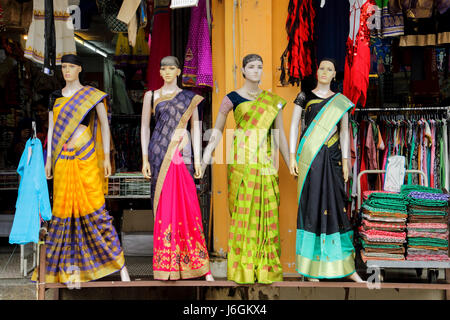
[
  {"x": 431, "y": 231},
  {"x": 427, "y": 202},
  {"x": 382, "y": 245},
  {"x": 422, "y": 212},
  {"x": 379, "y": 243},
  {"x": 408, "y": 188},
  {"x": 428, "y": 225},
  {"x": 433, "y": 248},
  {"x": 425, "y": 208},
  {"x": 383, "y": 229},
  {"x": 384, "y": 225},
  {"x": 382, "y": 255},
  {"x": 428, "y": 257},
  {"x": 387, "y": 234},
  {"x": 365, "y": 258},
  {"x": 381, "y": 239},
  {"x": 384, "y": 204},
  {"x": 424, "y": 252},
  {"x": 399, "y": 250},
  {"x": 438, "y": 235},
  {"x": 383, "y": 213},
  {"x": 383, "y": 219},
  {"x": 440, "y": 221},
  {"x": 367, "y": 193},
  {"x": 428, "y": 242},
  {"x": 430, "y": 196}
]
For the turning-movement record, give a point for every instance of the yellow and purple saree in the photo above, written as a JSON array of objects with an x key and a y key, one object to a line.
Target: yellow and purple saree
[{"x": 82, "y": 244}]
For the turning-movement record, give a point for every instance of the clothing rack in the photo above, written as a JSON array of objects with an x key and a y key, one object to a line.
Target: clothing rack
[{"x": 402, "y": 109}]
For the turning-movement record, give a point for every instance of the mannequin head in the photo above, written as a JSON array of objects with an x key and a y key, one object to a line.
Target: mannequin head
[
  {"x": 169, "y": 69},
  {"x": 71, "y": 67},
  {"x": 252, "y": 67},
  {"x": 326, "y": 71}
]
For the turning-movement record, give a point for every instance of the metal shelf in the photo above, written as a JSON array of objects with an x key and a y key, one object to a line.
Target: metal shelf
[{"x": 128, "y": 186}]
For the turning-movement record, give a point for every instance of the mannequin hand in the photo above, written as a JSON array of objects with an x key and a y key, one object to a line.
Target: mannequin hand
[
  {"x": 345, "y": 170},
  {"x": 48, "y": 169},
  {"x": 198, "y": 171},
  {"x": 206, "y": 158},
  {"x": 293, "y": 166},
  {"x": 146, "y": 171},
  {"x": 107, "y": 167}
]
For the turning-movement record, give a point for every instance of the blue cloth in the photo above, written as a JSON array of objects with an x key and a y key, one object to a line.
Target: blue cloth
[{"x": 33, "y": 199}]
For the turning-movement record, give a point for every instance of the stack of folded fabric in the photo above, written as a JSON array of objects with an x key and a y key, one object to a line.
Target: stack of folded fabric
[
  {"x": 428, "y": 226},
  {"x": 382, "y": 231}
]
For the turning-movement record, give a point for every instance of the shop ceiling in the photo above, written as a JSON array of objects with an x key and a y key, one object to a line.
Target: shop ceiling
[{"x": 98, "y": 35}]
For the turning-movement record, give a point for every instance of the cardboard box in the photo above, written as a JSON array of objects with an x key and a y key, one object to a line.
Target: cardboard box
[
  {"x": 137, "y": 232},
  {"x": 137, "y": 244},
  {"x": 137, "y": 221}
]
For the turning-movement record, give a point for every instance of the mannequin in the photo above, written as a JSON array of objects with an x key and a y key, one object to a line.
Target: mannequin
[
  {"x": 321, "y": 165},
  {"x": 81, "y": 229},
  {"x": 253, "y": 195},
  {"x": 179, "y": 244}
]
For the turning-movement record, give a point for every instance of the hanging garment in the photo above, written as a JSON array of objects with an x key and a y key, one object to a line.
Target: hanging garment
[
  {"x": 357, "y": 61},
  {"x": 32, "y": 201},
  {"x": 127, "y": 14},
  {"x": 179, "y": 249},
  {"x": 109, "y": 10},
  {"x": 446, "y": 151},
  {"x": 114, "y": 83},
  {"x": 298, "y": 60},
  {"x": 81, "y": 235},
  {"x": 395, "y": 173},
  {"x": 161, "y": 40},
  {"x": 390, "y": 24},
  {"x": 123, "y": 51},
  {"x": 40, "y": 32},
  {"x": 140, "y": 51},
  {"x": 17, "y": 13},
  {"x": 331, "y": 31},
  {"x": 197, "y": 70},
  {"x": 324, "y": 242}
]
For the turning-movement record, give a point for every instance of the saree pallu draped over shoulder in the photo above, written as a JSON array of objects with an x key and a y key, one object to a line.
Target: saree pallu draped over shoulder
[
  {"x": 324, "y": 247},
  {"x": 82, "y": 244},
  {"x": 179, "y": 247},
  {"x": 253, "y": 194}
]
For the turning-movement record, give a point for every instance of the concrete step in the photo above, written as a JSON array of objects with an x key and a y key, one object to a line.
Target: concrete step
[{"x": 17, "y": 289}]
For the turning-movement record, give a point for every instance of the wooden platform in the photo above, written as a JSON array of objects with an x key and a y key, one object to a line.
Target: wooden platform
[{"x": 291, "y": 282}]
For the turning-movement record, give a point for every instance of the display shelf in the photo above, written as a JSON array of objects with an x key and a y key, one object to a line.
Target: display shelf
[
  {"x": 131, "y": 185},
  {"x": 9, "y": 180}
]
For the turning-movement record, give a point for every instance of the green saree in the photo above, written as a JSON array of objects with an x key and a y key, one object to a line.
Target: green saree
[{"x": 254, "y": 243}]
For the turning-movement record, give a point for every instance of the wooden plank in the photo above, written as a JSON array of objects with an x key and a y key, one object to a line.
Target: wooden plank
[
  {"x": 41, "y": 273},
  {"x": 284, "y": 284},
  {"x": 447, "y": 279}
]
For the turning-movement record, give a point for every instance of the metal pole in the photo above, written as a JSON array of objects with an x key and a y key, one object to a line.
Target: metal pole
[{"x": 41, "y": 273}]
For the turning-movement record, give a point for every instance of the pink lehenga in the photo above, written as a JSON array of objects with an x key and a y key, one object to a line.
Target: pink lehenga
[{"x": 179, "y": 248}]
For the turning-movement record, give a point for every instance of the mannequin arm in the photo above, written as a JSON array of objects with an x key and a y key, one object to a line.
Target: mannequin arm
[
  {"x": 283, "y": 141},
  {"x": 196, "y": 143},
  {"x": 106, "y": 137},
  {"x": 145, "y": 133},
  {"x": 293, "y": 137},
  {"x": 48, "y": 164},
  {"x": 214, "y": 140},
  {"x": 344, "y": 139}
]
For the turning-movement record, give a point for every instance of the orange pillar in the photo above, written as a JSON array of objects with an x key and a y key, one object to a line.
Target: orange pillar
[{"x": 241, "y": 27}]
